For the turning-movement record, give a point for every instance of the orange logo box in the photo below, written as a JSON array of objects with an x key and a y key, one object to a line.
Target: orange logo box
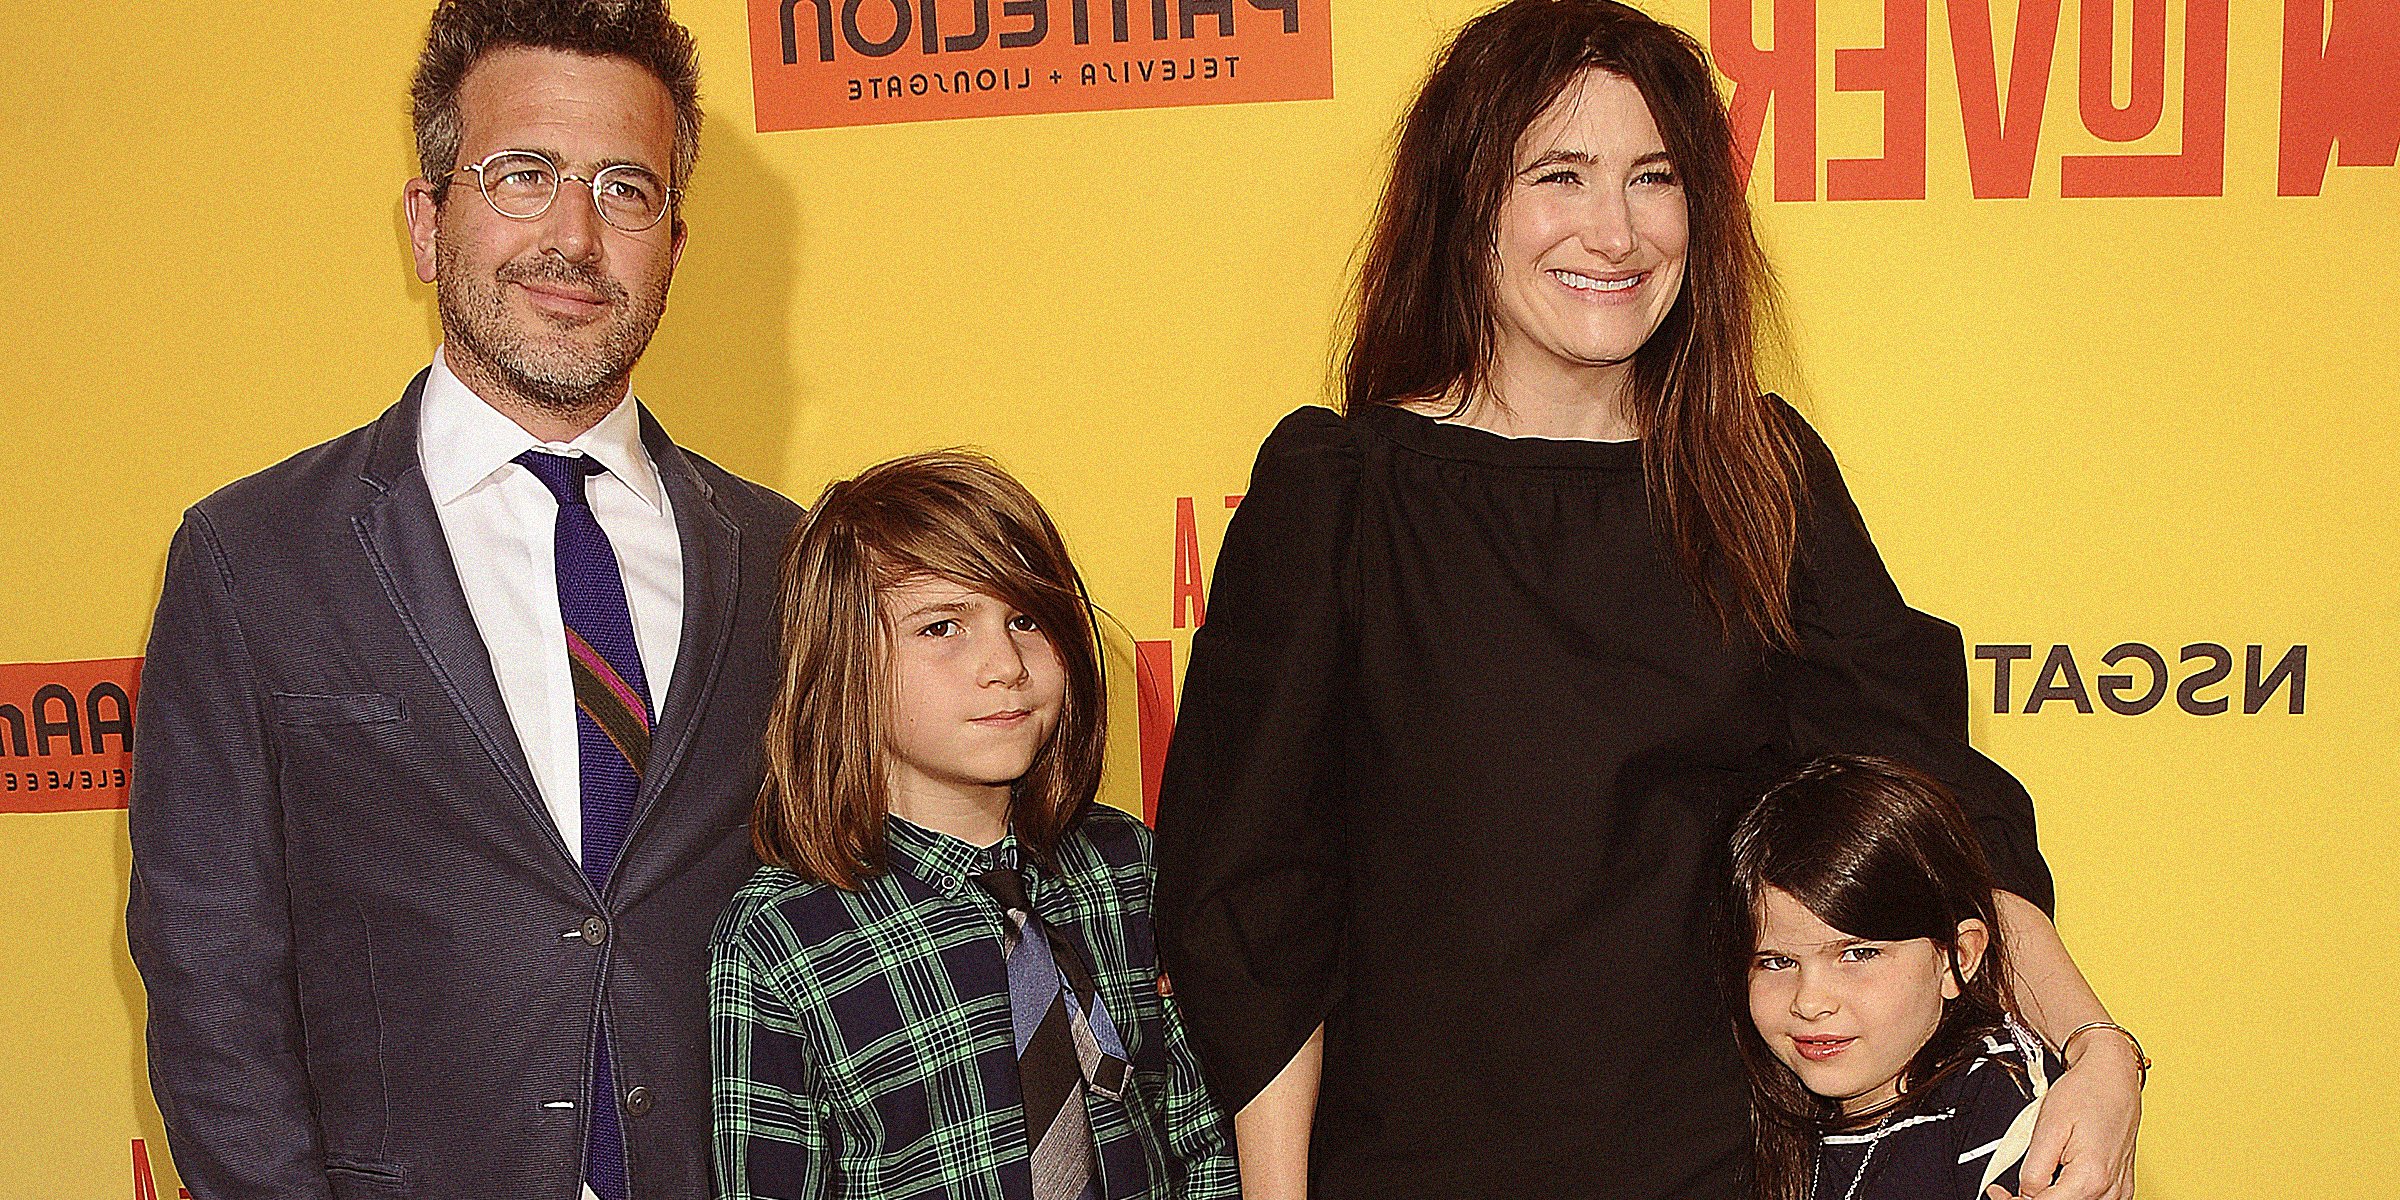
[
  {"x": 66, "y": 734},
  {"x": 817, "y": 64}
]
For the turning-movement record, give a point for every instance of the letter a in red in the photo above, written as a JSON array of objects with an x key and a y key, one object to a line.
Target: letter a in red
[{"x": 2338, "y": 89}]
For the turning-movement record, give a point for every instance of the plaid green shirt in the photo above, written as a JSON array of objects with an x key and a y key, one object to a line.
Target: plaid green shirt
[{"x": 863, "y": 1044}]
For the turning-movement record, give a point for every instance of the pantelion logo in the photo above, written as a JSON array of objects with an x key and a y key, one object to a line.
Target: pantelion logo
[
  {"x": 66, "y": 734},
  {"x": 822, "y": 63}
]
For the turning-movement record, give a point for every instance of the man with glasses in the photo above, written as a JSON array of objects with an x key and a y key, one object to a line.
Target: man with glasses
[{"x": 449, "y": 727}]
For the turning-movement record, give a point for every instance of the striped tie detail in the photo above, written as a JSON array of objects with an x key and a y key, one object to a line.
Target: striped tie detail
[
  {"x": 612, "y": 704},
  {"x": 1060, "y": 1056},
  {"x": 612, "y": 746}
]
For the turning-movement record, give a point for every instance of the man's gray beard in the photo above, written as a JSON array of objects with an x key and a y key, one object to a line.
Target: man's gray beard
[{"x": 561, "y": 381}]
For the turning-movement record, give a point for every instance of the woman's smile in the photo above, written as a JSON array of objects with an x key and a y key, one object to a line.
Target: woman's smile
[{"x": 1599, "y": 284}]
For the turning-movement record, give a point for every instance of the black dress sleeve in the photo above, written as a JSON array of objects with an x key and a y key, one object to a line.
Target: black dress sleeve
[
  {"x": 1874, "y": 676},
  {"x": 1996, "y": 1108},
  {"x": 1250, "y": 903}
]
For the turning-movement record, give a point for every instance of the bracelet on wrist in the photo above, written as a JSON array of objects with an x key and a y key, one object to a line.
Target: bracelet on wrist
[{"x": 2141, "y": 1061}]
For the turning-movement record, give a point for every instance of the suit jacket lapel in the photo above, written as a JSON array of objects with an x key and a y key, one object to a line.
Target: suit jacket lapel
[
  {"x": 711, "y": 580},
  {"x": 403, "y": 538}
]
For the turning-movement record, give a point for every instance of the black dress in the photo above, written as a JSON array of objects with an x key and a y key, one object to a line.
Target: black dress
[
  {"x": 1458, "y": 753},
  {"x": 1963, "y": 1134}
]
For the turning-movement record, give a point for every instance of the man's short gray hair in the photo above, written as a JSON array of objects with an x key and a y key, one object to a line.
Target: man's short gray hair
[{"x": 463, "y": 31}]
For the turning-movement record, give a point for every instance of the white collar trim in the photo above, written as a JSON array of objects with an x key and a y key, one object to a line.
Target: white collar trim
[{"x": 463, "y": 442}]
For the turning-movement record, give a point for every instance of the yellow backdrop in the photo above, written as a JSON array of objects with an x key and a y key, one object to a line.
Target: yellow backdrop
[{"x": 2146, "y": 403}]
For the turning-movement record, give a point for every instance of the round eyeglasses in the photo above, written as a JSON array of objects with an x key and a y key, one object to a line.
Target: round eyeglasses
[{"x": 521, "y": 184}]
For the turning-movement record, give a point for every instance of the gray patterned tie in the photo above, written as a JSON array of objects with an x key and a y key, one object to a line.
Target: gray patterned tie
[{"x": 1050, "y": 999}]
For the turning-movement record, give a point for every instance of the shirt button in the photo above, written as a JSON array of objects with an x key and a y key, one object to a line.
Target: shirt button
[
  {"x": 637, "y": 1101},
  {"x": 595, "y": 930}
]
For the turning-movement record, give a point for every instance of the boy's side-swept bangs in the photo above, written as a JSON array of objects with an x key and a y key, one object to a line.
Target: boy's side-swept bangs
[{"x": 952, "y": 514}]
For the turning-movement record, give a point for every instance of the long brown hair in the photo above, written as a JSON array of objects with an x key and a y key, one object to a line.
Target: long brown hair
[
  {"x": 953, "y": 514},
  {"x": 1877, "y": 851},
  {"x": 1719, "y": 461}
]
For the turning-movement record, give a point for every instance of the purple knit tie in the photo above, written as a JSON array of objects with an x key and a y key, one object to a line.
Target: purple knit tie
[{"x": 612, "y": 742}]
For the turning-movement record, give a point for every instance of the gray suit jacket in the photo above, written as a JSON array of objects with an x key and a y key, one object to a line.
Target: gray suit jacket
[{"x": 373, "y": 969}]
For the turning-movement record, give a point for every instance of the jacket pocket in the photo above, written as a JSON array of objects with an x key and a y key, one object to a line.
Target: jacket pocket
[
  {"x": 357, "y": 1179},
  {"x": 341, "y": 708}
]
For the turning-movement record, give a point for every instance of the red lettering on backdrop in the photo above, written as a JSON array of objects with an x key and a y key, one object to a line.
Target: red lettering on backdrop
[
  {"x": 1154, "y": 662},
  {"x": 2339, "y": 91},
  {"x": 2097, "y": 65},
  {"x": 145, "y": 1184},
  {"x": 2338, "y": 88},
  {"x": 2000, "y": 148},
  {"x": 1896, "y": 69},
  {"x": 1154, "y": 712},
  {"x": 2196, "y": 170},
  {"x": 1190, "y": 600},
  {"x": 1784, "y": 78}
]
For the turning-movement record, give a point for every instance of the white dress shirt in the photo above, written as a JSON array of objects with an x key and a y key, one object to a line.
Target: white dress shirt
[{"x": 501, "y": 524}]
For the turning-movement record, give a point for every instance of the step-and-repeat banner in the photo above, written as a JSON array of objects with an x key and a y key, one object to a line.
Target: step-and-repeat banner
[{"x": 2096, "y": 301}]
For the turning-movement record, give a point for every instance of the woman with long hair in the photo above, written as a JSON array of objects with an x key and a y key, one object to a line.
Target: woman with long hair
[{"x": 1496, "y": 654}]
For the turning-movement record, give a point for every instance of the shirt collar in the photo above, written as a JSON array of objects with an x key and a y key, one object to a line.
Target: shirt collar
[
  {"x": 944, "y": 862},
  {"x": 463, "y": 442}
]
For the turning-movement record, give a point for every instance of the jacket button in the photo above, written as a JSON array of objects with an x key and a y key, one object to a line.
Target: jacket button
[
  {"x": 637, "y": 1101},
  {"x": 595, "y": 930}
]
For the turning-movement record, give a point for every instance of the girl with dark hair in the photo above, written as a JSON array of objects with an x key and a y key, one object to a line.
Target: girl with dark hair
[
  {"x": 1496, "y": 655},
  {"x": 942, "y": 983},
  {"x": 1885, "y": 1059}
]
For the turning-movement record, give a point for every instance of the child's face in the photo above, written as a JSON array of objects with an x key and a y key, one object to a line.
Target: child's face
[
  {"x": 1845, "y": 1014},
  {"x": 976, "y": 690}
]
